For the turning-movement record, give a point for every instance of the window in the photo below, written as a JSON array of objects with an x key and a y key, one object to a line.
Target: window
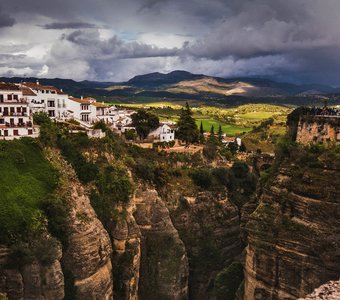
[
  {"x": 50, "y": 103},
  {"x": 24, "y": 109},
  {"x": 15, "y": 132},
  {"x": 51, "y": 113},
  {"x": 15, "y": 97},
  {"x": 30, "y": 131},
  {"x": 1, "y": 98},
  {"x": 2, "y": 121},
  {"x": 18, "y": 109},
  {"x": 9, "y": 97},
  {"x": 85, "y": 117}
]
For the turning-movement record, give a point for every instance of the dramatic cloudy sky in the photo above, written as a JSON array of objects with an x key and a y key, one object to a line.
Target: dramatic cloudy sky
[{"x": 288, "y": 40}]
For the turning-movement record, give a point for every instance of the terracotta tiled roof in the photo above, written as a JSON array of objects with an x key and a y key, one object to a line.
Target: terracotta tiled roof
[
  {"x": 4, "y": 86},
  {"x": 82, "y": 101},
  {"x": 97, "y": 104},
  {"x": 27, "y": 91},
  {"x": 36, "y": 86}
]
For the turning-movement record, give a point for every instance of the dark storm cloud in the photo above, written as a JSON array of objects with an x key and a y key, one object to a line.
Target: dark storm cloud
[
  {"x": 114, "y": 47},
  {"x": 68, "y": 25},
  {"x": 6, "y": 20},
  {"x": 291, "y": 39}
]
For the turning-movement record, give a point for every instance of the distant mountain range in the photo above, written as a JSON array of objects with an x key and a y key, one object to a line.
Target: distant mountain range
[{"x": 184, "y": 85}]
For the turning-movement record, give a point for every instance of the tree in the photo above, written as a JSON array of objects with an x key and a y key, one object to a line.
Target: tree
[
  {"x": 211, "y": 147},
  {"x": 201, "y": 134},
  {"x": 220, "y": 133},
  {"x": 130, "y": 134},
  {"x": 144, "y": 122},
  {"x": 233, "y": 147},
  {"x": 187, "y": 128}
]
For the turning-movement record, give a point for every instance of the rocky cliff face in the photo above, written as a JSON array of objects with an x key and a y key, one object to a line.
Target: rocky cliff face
[
  {"x": 328, "y": 291},
  {"x": 88, "y": 255},
  {"x": 208, "y": 224},
  {"x": 33, "y": 281},
  {"x": 164, "y": 264},
  {"x": 318, "y": 129},
  {"x": 294, "y": 233},
  {"x": 125, "y": 236}
]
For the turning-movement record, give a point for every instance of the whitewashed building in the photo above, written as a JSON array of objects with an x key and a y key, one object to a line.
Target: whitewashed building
[
  {"x": 46, "y": 98},
  {"x": 15, "y": 117},
  {"x": 164, "y": 133}
]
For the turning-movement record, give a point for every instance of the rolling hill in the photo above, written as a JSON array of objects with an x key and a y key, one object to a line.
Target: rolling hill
[{"x": 182, "y": 85}]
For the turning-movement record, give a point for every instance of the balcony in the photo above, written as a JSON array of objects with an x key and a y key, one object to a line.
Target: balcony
[
  {"x": 16, "y": 101},
  {"x": 12, "y": 114},
  {"x": 18, "y": 125}
]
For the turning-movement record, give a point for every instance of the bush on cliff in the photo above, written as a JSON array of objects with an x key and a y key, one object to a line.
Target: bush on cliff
[
  {"x": 228, "y": 281},
  {"x": 86, "y": 171}
]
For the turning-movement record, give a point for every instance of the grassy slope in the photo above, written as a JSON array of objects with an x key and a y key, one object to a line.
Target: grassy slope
[
  {"x": 26, "y": 179},
  {"x": 229, "y": 129},
  {"x": 245, "y": 116}
]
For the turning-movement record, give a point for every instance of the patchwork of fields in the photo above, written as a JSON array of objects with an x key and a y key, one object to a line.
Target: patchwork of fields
[{"x": 234, "y": 121}]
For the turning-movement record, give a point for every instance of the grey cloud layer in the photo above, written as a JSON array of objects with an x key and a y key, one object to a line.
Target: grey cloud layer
[
  {"x": 68, "y": 25},
  {"x": 6, "y": 20},
  {"x": 289, "y": 40}
]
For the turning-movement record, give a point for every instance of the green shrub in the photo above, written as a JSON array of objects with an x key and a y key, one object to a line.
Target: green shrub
[
  {"x": 228, "y": 281},
  {"x": 56, "y": 212},
  {"x": 100, "y": 125},
  {"x": 20, "y": 255},
  {"x": 46, "y": 250},
  {"x": 221, "y": 175},
  {"x": 86, "y": 171},
  {"x": 145, "y": 169},
  {"x": 202, "y": 177}
]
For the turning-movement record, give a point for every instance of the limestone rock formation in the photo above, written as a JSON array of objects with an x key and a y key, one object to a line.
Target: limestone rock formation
[
  {"x": 33, "y": 281},
  {"x": 209, "y": 227},
  {"x": 294, "y": 235},
  {"x": 318, "y": 129},
  {"x": 125, "y": 235},
  {"x": 164, "y": 264},
  {"x": 88, "y": 255},
  {"x": 328, "y": 291}
]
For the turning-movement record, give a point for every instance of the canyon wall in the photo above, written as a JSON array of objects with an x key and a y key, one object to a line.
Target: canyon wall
[
  {"x": 88, "y": 254},
  {"x": 294, "y": 238},
  {"x": 318, "y": 129},
  {"x": 32, "y": 281}
]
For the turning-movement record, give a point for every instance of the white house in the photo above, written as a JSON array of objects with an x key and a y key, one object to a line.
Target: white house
[
  {"x": 81, "y": 109},
  {"x": 164, "y": 133},
  {"x": 46, "y": 98},
  {"x": 15, "y": 118},
  {"x": 229, "y": 140}
]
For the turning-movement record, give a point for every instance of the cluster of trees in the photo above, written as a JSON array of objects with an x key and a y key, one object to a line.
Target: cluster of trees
[
  {"x": 187, "y": 131},
  {"x": 144, "y": 122}
]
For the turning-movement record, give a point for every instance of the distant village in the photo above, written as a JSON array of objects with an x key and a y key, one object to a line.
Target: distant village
[{"x": 19, "y": 101}]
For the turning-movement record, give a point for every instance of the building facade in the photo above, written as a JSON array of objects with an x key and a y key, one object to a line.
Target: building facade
[
  {"x": 15, "y": 117},
  {"x": 46, "y": 98}
]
